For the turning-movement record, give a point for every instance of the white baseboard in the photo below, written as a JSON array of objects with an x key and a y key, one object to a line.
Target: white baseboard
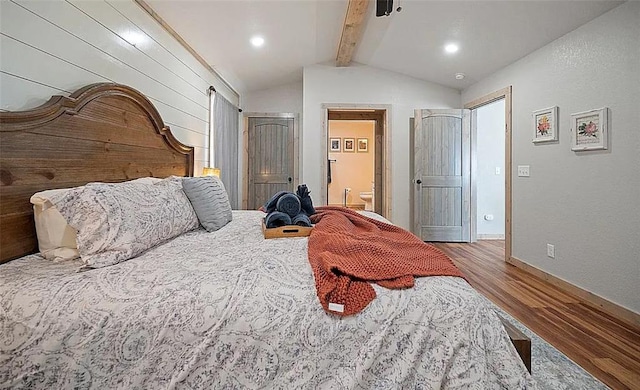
[{"x": 490, "y": 236}]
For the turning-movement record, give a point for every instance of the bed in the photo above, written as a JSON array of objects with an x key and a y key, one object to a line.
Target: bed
[{"x": 221, "y": 309}]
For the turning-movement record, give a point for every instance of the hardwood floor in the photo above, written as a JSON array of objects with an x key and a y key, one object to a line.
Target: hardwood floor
[{"x": 607, "y": 348}]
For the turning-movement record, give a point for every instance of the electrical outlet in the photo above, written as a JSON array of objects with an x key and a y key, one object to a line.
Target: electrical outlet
[
  {"x": 523, "y": 170},
  {"x": 551, "y": 251},
  {"x": 488, "y": 217},
  {"x": 497, "y": 170}
]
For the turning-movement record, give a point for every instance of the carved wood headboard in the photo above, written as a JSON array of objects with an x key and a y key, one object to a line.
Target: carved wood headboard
[{"x": 103, "y": 132}]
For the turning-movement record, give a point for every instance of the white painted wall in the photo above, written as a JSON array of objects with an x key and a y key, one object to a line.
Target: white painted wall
[
  {"x": 489, "y": 156},
  {"x": 359, "y": 84},
  {"x": 55, "y": 47},
  {"x": 283, "y": 99},
  {"x": 587, "y": 204}
]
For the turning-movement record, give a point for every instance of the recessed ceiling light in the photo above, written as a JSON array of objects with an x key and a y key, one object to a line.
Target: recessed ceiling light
[
  {"x": 459, "y": 76},
  {"x": 451, "y": 48},
  {"x": 257, "y": 41}
]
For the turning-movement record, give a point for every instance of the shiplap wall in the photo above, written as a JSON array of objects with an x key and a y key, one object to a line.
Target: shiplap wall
[{"x": 55, "y": 47}]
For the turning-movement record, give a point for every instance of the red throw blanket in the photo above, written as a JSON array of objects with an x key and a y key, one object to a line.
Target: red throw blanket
[{"x": 348, "y": 251}]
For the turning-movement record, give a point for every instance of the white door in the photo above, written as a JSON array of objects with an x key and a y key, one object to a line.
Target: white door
[{"x": 442, "y": 175}]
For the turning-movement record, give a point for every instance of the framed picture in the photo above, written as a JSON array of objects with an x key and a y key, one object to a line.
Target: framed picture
[
  {"x": 590, "y": 129},
  {"x": 334, "y": 144},
  {"x": 349, "y": 145},
  {"x": 545, "y": 125},
  {"x": 363, "y": 144}
]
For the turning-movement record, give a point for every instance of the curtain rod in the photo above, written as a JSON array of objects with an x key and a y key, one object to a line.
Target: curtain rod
[{"x": 213, "y": 89}]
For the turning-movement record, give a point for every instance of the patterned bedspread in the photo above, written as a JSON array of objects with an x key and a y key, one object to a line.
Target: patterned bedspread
[{"x": 231, "y": 310}]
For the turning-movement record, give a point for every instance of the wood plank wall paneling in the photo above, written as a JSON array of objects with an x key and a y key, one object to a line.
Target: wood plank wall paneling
[
  {"x": 56, "y": 47},
  {"x": 605, "y": 346}
]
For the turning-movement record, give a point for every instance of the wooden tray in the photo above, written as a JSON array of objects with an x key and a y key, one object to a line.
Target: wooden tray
[{"x": 286, "y": 231}]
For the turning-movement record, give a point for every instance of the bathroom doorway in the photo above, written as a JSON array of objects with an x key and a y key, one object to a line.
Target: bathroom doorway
[
  {"x": 355, "y": 159},
  {"x": 488, "y": 169}
]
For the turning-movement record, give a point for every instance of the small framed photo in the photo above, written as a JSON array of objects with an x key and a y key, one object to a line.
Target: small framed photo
[
  {"x": 349, "y": 145},
  {"x": 334, "y": 144},
  {"x": 590, "y": 129},
  {"x": 363, "y": 144},
  {"x": 545, "y": 125}
]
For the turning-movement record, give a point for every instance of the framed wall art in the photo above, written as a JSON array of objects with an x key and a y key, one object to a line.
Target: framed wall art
[
  {"x": 545, "y": 125},
  {"x": 363, "y": 144},
  {"x": 590, "y": 129},
  {"x": 349, "y": 145},
  {"x": 334, "y": 144}
]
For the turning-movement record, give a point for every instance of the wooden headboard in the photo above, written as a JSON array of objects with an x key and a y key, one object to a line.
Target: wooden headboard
[{"x": 103, "y": 132}]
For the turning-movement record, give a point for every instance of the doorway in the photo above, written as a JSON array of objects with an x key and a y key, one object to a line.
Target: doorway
[
  {"x": 504, "y": 94},
  {"x": 351, "y": 164},
  {"x": 487, "y": 129},
  {"x": 352, "y": 134}
]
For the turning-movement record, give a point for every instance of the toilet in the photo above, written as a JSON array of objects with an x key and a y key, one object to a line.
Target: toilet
[{"x": 368, "y": 200}]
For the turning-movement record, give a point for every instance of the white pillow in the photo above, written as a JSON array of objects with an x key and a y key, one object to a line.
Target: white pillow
[
  {"x": 56, "y": 239},
  {"x": 116, "y": 222}
]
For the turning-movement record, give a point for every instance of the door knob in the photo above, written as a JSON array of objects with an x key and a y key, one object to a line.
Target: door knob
[
  {"x": 419, "y": 181},
  {"x": 289, "y": 179}
]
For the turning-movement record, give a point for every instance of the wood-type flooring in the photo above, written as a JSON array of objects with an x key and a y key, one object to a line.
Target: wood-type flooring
[{"x": 604, "y": 346}]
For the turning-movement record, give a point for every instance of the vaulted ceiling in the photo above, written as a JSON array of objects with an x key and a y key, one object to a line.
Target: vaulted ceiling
[{"x": 297, "y": 33}]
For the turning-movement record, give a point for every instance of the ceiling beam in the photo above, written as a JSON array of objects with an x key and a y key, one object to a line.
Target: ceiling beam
[{"x": 351, "y": 31}]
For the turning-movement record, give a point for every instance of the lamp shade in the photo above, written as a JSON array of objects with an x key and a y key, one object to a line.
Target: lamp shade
[{"x": 210, "y": 171}]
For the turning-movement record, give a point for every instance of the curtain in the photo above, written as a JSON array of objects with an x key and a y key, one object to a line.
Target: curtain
[{"x": 225, "y": 140}]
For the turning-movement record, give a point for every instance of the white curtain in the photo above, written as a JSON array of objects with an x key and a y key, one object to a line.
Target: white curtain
[{"x": 225, "y": 141}]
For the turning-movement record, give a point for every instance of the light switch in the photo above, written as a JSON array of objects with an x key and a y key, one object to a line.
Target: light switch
[{"x": 523, "y": 170}]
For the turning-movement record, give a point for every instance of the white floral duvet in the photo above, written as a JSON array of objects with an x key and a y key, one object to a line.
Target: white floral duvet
[{"x": 231, "y": 310}]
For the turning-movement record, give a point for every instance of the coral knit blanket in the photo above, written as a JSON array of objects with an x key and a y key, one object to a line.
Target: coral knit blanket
[{"x": 348, "y": 252}]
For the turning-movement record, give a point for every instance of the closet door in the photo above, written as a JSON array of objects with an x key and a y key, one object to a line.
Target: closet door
[{"x": 270, "y": 158}]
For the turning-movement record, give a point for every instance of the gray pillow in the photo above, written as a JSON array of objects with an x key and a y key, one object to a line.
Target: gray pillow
[{"x": 209, "y": 200}]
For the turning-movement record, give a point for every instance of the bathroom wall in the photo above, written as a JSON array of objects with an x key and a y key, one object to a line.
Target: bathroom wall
[{"x": 351, "y": 169}]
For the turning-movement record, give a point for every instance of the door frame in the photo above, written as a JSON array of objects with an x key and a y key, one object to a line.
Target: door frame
[
  {"x": 245, "y": 149},
  {"x": 386, "y": 155},
  {"x": 504, "y": 93}
]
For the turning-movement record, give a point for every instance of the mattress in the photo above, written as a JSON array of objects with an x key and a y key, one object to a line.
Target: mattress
[{"x": 229, "y": 309}]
